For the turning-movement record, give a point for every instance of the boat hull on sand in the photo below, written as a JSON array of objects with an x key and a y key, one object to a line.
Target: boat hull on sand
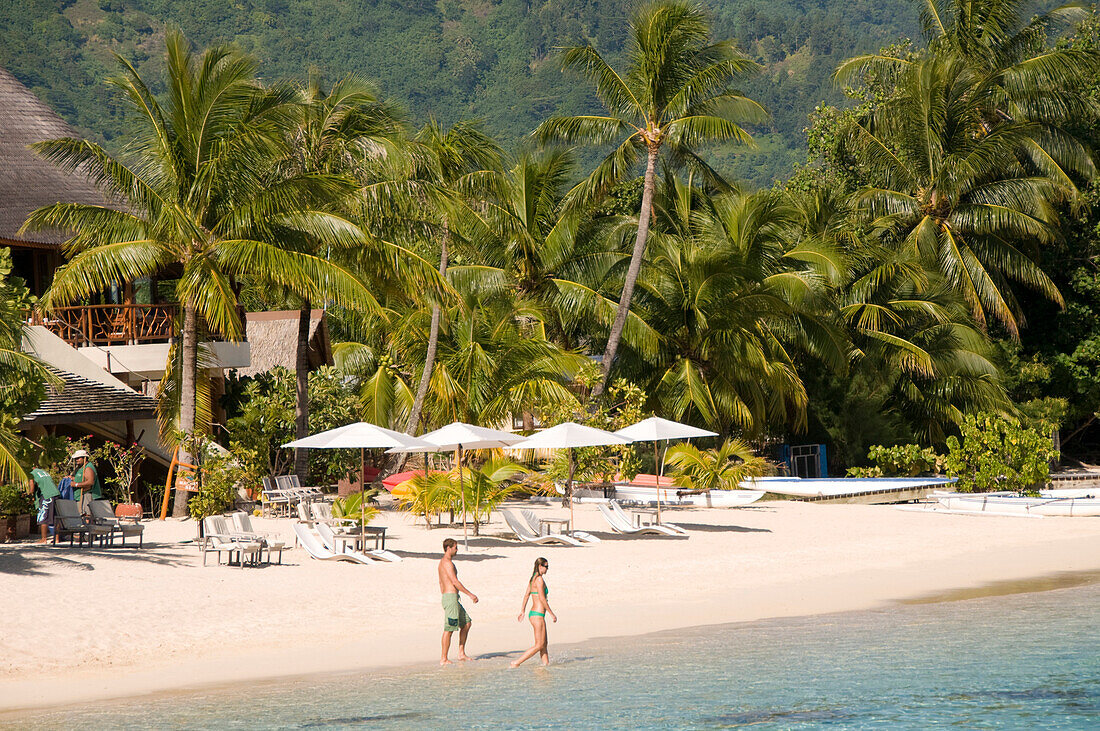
[
  {"x": 1008, "y": 504},
  {"x": 669, "y": 496}
]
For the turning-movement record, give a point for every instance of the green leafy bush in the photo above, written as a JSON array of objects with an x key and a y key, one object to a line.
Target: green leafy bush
[
  {"x": 352, "y": 507},
  {"x": 902, "y": 460},
  {"x": 998, "y": 454},
  {"x": 221, "y": 475},
  {"x": 14, "y": 500}
]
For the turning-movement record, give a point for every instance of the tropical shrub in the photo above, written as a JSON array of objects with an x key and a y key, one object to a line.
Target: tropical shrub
[
  {"x": 488, "y": 486},
  {"x": 217, "y": 490},
  {"x": 428, "y": 495},
  {"x": 125, "y": 465},
  {"x": 715, "y": 469},
  {"x": 902, "y": 460},
  {"x": 998, "y": 454},
  {"x": 14, "y": 500},
  {"x": 354, "y": 508}
]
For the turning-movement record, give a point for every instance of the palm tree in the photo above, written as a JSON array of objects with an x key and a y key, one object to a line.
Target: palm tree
[
  {"x": 340, "y": 129},
  {"x": 458, "y": 162},
  {"x": 966, "y": 201},
  {"x": 21, "y": 375},
  {"x": 197, "y": 201},
  {"x": 736, "y": 297},
  {"x": 675, "y": 95},
  {"x": 715, "y": 469}
]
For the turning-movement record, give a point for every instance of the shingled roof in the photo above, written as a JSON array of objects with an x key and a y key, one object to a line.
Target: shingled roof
[
  {"x": 27, "y": 181},
  {"x": 83, "y": 400}
]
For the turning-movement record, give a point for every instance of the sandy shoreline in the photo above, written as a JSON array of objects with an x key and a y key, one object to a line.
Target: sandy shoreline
[{"x": 129, "y": 622}]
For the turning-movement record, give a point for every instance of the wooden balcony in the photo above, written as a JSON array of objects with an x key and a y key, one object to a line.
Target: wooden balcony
[{"x": 111, "y": 324}]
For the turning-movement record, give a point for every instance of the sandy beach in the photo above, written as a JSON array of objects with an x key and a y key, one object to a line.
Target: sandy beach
[{"x": 83, "y": 624}]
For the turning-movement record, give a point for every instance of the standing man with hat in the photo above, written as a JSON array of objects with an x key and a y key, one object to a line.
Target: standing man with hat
[{"x": 85, "y": 481}]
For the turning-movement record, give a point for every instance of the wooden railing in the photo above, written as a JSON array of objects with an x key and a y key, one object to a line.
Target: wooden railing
[{"x": 112, "y": 324}]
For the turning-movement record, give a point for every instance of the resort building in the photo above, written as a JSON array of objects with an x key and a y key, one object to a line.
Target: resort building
[{"x": 110, "y": 351}]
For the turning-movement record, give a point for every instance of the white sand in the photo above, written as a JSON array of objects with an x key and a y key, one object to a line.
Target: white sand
[{"x": 81, "y": 624}]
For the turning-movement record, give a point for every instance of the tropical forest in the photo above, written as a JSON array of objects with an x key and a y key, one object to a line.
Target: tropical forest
[{"x": 870, "y": 225}]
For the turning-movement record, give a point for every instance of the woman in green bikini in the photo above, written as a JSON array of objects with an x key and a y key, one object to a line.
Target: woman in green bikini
[{"x": 538, "y": 593}]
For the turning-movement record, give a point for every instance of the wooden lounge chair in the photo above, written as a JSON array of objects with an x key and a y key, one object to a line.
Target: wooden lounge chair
[
  {"x": 618, "y": 509},
  {"x": 536, "y": 526},
  {"x": 328, "y": 539},
  {"x": 315, "y": 549},
  {"x": 526, "y": 535},
  {"x": 218, "y": 539},
  {"x": 622, "y": 525},
  {"x": 241, "y": 525},
  {"x": 103, "y": 515}
]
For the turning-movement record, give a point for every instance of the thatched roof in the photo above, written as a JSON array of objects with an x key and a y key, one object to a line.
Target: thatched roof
[
  {"x": 273, "y": 340},
  {"x": 27, "y": 181},
  {"x": 84, "y": 400}
]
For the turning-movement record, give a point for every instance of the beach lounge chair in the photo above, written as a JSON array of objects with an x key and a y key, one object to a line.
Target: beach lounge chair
[
  {"x": 68, "y": 520},
  {"x": 103, "y": 515},
  {"x": 272, "y": 499},
  {"x": 218, "y": 539},
  {"x": 622, "y": 525},
  {"x": 536, "y": 526},
  {"x": 241, "y": 525},
  {"x": 526, "y": 535},
  {"x": 328, "y": 539},
  {"x": 618, "y": 509},
  {"x": 322, "y": 513},
  {"x": 315, "y": 549}
]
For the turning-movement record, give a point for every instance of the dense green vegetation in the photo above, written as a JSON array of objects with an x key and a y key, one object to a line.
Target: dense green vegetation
[
  {"x": 452, "y": 59},
  {"x": 934, "y": 260}
]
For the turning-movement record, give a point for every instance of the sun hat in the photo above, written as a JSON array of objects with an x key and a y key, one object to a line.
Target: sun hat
[{"x": 81, "y": 453}]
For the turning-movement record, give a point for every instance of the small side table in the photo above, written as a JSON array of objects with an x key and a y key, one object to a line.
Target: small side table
[
  {"x": 359, "y": 536},
  {"x": 563, "y": 524},
  {"x": 638, "y": 515}
]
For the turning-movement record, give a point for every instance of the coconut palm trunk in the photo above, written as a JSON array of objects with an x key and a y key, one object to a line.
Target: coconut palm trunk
[
  {"x": 301, "y": 395},
  {"x": 188, "y": 384},
  {"x": 644, "y": 216},
  {"x": 433, "y": 347}
]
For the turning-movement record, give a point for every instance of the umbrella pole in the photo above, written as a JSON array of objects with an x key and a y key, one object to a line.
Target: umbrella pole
[
  {"x": 657, "y": 464},
  {"x": 462, "y": 491},
  {"x": 363, "y": 492},
  {"x": 569, "y": 489}
]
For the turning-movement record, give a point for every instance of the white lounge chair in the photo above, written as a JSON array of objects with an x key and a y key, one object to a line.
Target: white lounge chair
[
  {"x": 314, "y": 548},
  {"x": 622, "y": 525},
  {"x": 536, "y": 526},
  {"x": 218, "y": 539},
  {"x": 322, "y": 513},
  {"x": 618, "y": 509},
  {"x": 242, "y": 527},
  {"x": 328, "y": 538},
  {"x": 526, "y": 535}
]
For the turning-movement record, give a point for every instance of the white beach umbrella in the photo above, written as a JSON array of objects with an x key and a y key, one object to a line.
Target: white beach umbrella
[
  {"x": 459, "y": 436},
  {"x": 656, "y": 429},
  {"x": 361, "y": 436},
  {"x": 570, "y": 435}
]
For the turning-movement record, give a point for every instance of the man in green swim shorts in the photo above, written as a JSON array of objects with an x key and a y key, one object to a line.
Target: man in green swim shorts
[{"x": 454, "y": 615}]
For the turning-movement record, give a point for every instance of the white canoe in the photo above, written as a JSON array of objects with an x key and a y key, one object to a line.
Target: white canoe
[
  {"x": 648, "y": 494},
  {"x": 1008, "y": 504}
]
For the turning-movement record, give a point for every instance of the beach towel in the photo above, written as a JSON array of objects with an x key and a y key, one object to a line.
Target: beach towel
[{"x": 65, "y": 487}]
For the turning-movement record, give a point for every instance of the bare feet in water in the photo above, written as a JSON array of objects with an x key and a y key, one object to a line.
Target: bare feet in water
[
  {"x": 445, "y": 661},
  {"x": 463, "y": 657}
]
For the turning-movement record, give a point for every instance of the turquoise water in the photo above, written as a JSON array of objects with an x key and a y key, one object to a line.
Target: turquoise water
[{"x": 1024, "y": 661}]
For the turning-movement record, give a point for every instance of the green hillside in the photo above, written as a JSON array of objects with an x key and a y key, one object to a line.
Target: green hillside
[{"x": 453, "y": 59}]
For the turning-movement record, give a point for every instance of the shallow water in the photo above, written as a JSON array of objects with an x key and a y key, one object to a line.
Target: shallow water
[{"x": 1018, "y": 661}]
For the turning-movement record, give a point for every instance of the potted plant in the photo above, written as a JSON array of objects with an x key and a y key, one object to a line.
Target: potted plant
[
  {"x": 126, "y": 464},
  {"x": 16, "y": 508}
]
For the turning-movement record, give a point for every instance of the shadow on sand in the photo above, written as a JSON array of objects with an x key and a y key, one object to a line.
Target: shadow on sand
[
  {"x": 707, "y": 528},
  {"x": 39, "y": 560}
]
